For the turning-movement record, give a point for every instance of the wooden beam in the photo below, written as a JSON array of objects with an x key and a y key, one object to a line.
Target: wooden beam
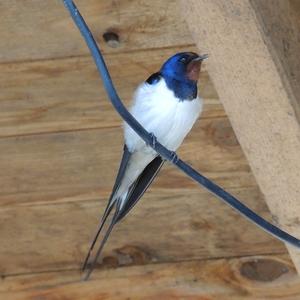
[
  {"x": 67, "y": 94},
  {"x": 280, "y": 23},
  {"x": 256, "y": 92},
  {"x": 82, "y": 164},
  {"x": 55, "y": 236},
  {"x": 44, "y": 29},
  {"x": 249, "y": 278}
]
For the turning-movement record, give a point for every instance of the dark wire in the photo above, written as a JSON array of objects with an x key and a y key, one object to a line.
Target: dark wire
[{"x": 159, "y": 148}]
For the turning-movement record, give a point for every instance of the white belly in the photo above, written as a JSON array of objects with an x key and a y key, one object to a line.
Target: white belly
[{"x": 160, "y": 113}]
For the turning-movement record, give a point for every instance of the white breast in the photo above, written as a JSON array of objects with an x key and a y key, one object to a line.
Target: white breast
[{"x": 160, "y": 112}]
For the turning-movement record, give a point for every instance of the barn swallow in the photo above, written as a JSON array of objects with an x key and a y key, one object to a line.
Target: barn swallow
[{"x": 167, "y": 105}]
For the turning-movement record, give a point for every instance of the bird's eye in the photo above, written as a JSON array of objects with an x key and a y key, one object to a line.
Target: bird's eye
[{"x": 182, "y": 60}]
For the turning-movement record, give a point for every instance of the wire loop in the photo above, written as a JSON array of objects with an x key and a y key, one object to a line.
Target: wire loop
[
  {"x": 174, "y": 158},
  {"x": 153, "y": 140}
]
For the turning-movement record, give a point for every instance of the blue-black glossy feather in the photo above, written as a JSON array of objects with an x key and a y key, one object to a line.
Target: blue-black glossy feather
[
  {"x": 140, "y": 186},
  {"x": 174, "y": 71}
]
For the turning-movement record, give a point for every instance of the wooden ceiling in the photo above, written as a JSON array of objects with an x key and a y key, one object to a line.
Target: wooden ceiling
[{"x": 60, "y": 145}]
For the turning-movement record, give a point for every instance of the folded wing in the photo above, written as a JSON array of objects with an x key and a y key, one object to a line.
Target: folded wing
[{"x": 135, "y": 192}]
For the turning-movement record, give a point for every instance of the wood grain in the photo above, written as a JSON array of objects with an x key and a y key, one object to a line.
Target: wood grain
[
  {"x": 83, "y": 164},
  {"x": 280, "y": 23},
  {"x": 269, "y": 277},
  {"x": 257, "y": 100},
  {"x": 163, "y": 227},
  {"x": 33, "y": 30},
  {"x": 60, "y": 144},
  {"x": 67, "y": 94}
]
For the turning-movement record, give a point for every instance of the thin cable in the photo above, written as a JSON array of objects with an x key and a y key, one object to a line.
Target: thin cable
[{"x": 159, "y": 148}]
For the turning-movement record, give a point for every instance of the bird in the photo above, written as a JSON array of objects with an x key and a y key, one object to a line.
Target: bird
[{"x": 167, "y": 105}]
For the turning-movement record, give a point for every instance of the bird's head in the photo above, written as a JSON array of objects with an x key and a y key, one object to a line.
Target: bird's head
[{"x": 183, "y": 66}]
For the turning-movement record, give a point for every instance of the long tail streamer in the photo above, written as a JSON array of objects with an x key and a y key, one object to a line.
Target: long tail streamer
[{"x": 159, "y": 148}]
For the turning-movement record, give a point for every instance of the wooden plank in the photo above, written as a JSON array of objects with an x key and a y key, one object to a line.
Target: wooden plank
[
  {"x": 257, "y": 98},
  {"x": 67, "y": 94},
  {"x": 165, "y": 226},
  {"x": 249, "y": 278},
  {"x": 44, "y": 29},
  {"x": 280, "y": 22},
  {"x": 83, "y": 164}
]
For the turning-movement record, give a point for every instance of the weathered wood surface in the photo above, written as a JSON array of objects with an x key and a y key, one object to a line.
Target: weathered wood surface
[
  {"x": 60, "y": 145},
  {"x": 255, "y": 92},
  {"x": 251, "y": 278},
  {"x": 281, "y": 26},
  {"x": 192, "y": 225},
  {"x": 83, "y": 164},
  {"x": 67, "y": 94},
  {"x": 43, "y": 29}
]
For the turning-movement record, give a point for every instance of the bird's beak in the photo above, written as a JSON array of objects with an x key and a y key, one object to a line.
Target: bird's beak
[
  {"x": 194, "y": 66},
  {"x": 201, "y": 57}
]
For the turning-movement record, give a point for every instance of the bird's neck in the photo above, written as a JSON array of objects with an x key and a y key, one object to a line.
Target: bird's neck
[{"x": 182, "y": 89}]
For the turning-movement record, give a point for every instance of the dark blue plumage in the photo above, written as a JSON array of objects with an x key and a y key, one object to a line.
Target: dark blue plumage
[
  {"x": 174, "y": 71},
  {"x": 154, "y": 78},
  {"x": 181, "y": 73}
]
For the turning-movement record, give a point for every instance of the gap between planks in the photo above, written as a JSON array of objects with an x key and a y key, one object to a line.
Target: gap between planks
[
  {"x": 51, "y": 97},
  {"x": 252, "y": 278},
  {"x": 105, "y": 53},
  {"x": 101, "y": 198},
  {"x": 152, "y": 263},
  {"x": 87, "y": 129}
]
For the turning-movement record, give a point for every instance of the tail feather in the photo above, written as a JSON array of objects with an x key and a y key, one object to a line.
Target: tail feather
[
  {"x": 114, "y": 220},
  {"x": 136, "y": 173},
  {"x": 103, "y": 221},
  {"x": 93, "y": 264},
  {"x": 113, "y": 200}
]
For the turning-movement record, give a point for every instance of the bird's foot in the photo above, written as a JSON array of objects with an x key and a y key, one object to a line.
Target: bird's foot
[{"x": 174, "y": 157}]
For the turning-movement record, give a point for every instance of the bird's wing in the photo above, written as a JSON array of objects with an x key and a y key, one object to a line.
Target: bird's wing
[
  {"x": 136, "y": 190},
  {"x": 140, "y": 186},
  {"x": 122, "y": 169}
]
